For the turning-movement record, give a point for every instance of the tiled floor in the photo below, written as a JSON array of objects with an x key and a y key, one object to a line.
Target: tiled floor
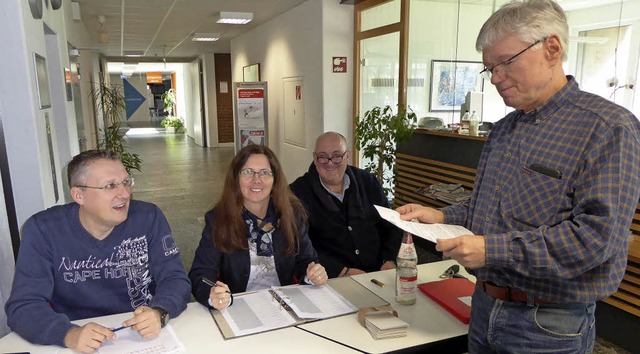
[{"x": 185, "y": 181}]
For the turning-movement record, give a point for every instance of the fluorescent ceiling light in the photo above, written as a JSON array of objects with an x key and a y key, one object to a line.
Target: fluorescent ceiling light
[
  {"x": 205, "y": 37},
  {"x": 133, "y": 53},
  {"x": 236, "y": 18}
]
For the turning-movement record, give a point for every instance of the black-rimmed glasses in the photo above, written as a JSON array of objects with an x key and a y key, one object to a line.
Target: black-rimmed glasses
[
  {"x": 323, "y": 159},
  {"x": 488, "y": 72},
  {"x": 262, "y": 174},
  {"x": 127, "y": 183}
]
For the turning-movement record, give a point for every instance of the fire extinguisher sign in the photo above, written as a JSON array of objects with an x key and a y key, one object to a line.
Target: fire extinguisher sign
[{"x": 339, "y": 64}]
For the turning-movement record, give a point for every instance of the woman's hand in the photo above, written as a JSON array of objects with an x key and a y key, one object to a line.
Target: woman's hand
[
  {"x": 316, "y": 274},
  {"x": 220, "y": 296}
]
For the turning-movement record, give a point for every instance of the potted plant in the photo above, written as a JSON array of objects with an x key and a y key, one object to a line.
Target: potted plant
[
  {"x": 377, "y": 134},
  {"x": 110, "y": 100},
  {"x": 172, "y": 124},
  {"x": 169, "y": 101}
]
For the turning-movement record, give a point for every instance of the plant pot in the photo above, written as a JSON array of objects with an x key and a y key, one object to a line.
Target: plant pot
[{"x": 171, "y": 130}]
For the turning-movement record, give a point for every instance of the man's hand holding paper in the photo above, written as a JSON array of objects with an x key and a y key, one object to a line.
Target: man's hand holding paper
[
  {"x": 453, "y": 241},
  {"x": 430, "y": 232}
]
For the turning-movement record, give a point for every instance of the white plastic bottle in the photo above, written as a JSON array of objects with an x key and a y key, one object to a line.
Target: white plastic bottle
[{"x": 406, "y": 271}]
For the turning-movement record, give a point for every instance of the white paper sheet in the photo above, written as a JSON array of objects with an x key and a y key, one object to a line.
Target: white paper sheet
[
  {"x": 430, "y": 232},
  {"x": 311, "y": 302},
  {"x": 130, "y": 342},
  {"x": 254, "y": 313}
]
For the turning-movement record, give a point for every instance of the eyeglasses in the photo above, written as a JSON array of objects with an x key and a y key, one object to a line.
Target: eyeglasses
[
  {"x": 127, "y": 183},
  {"x": 262, "y": 174},
  {"x": 323, "y": 159},
  {"x": 487, "y": 73}
]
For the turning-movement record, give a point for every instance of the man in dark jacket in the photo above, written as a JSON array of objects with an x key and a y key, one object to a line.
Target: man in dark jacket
[{"x": 344, "y": 227}]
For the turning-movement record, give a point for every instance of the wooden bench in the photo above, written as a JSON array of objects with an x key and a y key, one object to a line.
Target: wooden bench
[{"x": 415, "y": 172}]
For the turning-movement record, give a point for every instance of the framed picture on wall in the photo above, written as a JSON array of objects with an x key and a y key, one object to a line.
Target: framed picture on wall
[
  {"x": 251, "y": 73},
  {"x": 42, "y": 81},
  {"x": 450, "y": 82}
]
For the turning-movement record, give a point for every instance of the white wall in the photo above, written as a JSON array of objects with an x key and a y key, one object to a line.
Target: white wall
[
  {"x": 23, "y": 121},
  {"x": 211, "y": 102},
  {"x": 292, "y": 45}
]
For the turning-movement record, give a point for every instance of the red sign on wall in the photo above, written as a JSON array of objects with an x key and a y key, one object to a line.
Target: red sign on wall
[{"x": 339, "y": 64}]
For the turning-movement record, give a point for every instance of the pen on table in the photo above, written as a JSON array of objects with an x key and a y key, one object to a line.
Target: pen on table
[
  {"x": 211, "y": 283},
  {"x": 378, "y": 283},
  {"x": 119, "y": 328}
]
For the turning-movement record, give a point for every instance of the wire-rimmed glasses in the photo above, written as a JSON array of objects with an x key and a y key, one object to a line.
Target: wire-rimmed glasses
[
  {"x": 487, "y": 73},
  {"x": 127, "y": 183},
  {"x": 262, "y": 174}
]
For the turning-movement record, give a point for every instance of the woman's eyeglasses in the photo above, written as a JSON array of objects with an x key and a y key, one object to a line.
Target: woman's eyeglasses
[{"x": 262, "y": 174}]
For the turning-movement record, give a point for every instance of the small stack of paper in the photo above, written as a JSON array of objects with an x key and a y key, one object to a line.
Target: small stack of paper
[{"x": 383, "y": 325}]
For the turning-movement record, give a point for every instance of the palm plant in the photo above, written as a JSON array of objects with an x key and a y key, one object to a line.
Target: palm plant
[{"x": 110, "y": 101}]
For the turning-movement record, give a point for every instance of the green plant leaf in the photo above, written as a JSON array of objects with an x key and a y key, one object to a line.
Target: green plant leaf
[{"x": 377, "y": 134}]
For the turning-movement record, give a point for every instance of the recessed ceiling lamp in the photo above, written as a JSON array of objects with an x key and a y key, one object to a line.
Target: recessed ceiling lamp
[
  {"x": 205, "y": 37},
  {"x": 133, "y": 53},
  {"x": 236, "y": 18}
]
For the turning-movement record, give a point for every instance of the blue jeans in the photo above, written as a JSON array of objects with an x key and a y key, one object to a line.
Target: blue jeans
[{"x": 511, "y": 327}]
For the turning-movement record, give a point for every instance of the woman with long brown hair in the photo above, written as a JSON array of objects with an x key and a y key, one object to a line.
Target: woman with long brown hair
[{"x": 256, "y": 235}]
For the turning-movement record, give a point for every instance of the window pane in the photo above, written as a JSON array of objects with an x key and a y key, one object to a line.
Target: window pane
[{"x": 381, "y": 15}]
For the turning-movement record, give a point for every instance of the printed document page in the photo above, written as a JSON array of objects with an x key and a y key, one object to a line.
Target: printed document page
[
  {"x": 130, "y": 342},
  {"x": 256, "y": 312},
  {"x": 430, "y": 232},
  {"x": 311, "y": 302}
]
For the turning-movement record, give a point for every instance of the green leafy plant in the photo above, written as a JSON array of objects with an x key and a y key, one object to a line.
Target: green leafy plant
[
  {"x": 173, "y": 122},
  {"x": 109, "y": 100},
  {"x": 377, "y": 134},
  {"x": 169, "y": 101}
]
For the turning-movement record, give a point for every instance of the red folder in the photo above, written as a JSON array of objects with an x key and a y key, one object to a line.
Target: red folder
[{"x": 447, "y": 293}]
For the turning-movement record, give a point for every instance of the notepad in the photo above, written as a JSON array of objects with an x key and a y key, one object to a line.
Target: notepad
[
  {"x": 453, "y": 294},
  {"x": 384, "y": 325},
  {"x": 279, "y": 307}
]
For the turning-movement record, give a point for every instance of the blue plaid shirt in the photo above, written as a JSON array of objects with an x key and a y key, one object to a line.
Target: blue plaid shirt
[{"x": 563, "y": 240}]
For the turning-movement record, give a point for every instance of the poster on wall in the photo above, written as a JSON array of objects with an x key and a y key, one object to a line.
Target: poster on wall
[
  {"x": 252, "y": 136},
  {"x": 250, "y": 112},
  {"x": 450, "y": 82}
]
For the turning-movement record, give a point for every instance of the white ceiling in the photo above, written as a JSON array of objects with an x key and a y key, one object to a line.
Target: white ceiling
[{"x": 163, "y": 28}]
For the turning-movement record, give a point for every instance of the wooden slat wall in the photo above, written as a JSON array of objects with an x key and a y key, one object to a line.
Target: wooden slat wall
[
  {"x": 416, "y": 172},
  {"x": 628, "y": 296}
]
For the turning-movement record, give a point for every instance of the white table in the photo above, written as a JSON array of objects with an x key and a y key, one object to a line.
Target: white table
[
  {"x": 198, "y": 333},
  {"x": 430, "y": 325}
]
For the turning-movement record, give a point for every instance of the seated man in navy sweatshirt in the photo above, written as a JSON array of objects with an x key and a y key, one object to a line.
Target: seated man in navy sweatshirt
[
  {"x": 102, "y": 254},
  {"x": 345, "y": 229}
]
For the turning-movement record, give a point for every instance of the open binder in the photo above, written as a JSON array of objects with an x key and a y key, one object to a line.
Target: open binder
[
  {"x": 280, "y": 307},
  {"x": 453, "y": 294}
]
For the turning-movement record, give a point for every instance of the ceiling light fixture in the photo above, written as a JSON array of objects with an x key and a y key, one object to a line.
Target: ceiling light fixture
[
  {"x": 236, "y": 18},
  {"x": 133, "y": 53},
  {"x": 205, "y": 37}
]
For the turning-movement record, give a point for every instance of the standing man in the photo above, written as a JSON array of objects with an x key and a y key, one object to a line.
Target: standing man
[
  {"x": 556, "y": 188},
  {"x": 345, "y": 229},
  {"x": 102, "y": 254}
]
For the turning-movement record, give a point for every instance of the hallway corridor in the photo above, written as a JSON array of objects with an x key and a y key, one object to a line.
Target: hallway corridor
[{"x": 183, "y": 179}]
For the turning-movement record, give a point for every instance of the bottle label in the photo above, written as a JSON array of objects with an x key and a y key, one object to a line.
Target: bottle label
[
  {"x": 406, "y": 287},
  {"x": 407, "y": 251}
]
